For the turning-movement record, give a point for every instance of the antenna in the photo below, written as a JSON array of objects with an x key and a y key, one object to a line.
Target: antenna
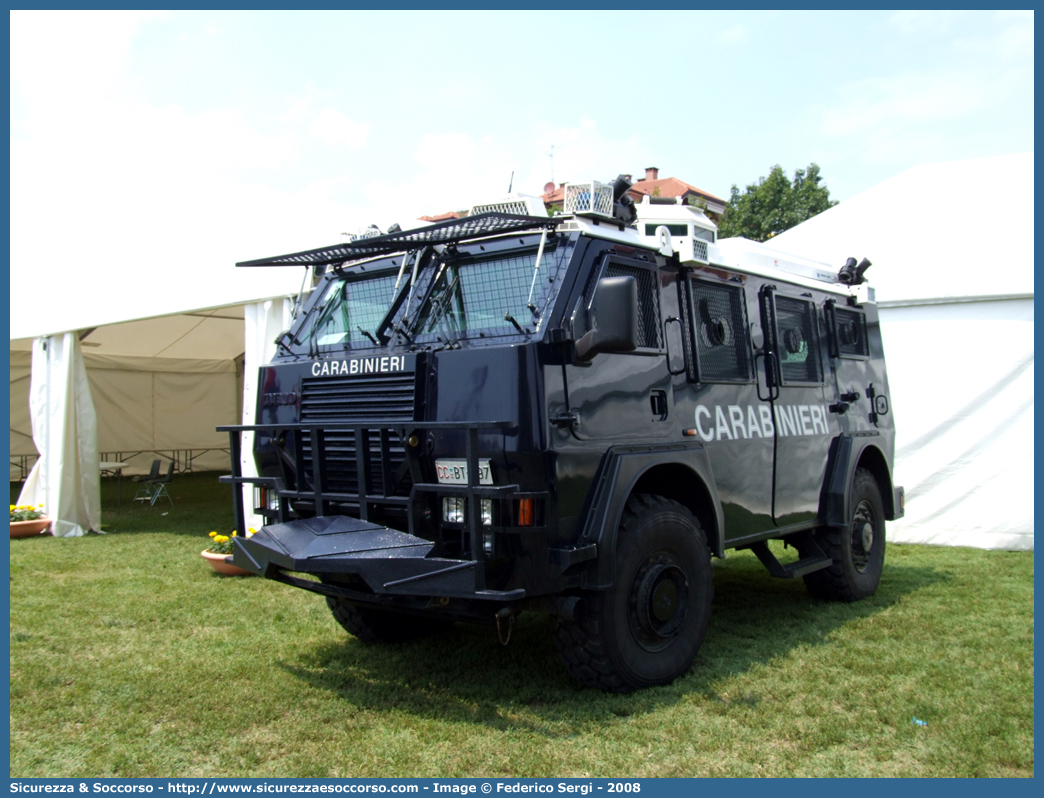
[
  {"x": 512, "y": 181},
  {"x": 552, "y": 156}
]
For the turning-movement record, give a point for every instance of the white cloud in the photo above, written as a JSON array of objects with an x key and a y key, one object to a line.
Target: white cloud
[
  {"x": 915, "y": 22},
  {"x": 335, "y": 129},
  {"x": 898, "y": 101},
  {"x": 457, "y": 171},
  {"x": 1012, "y": 43},
  {"x": 737, "y": 34},
  {"x": 77, "y": 55}
]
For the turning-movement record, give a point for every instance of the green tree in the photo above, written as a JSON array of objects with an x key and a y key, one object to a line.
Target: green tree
[{"x": 774, "y": 204}]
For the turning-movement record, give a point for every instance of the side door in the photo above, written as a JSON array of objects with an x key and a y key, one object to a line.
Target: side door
[
  {"x": 719, "y": 400},
  {"x": 622, "y": 396},
  {"x": 795, "y": 337}
]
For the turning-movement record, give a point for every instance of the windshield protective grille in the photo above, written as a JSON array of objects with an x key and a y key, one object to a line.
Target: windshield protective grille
[
  {"x": 470, "y": 227},
  {"x": 479, "y": 296},
  {"x": 349, "y": 308}
]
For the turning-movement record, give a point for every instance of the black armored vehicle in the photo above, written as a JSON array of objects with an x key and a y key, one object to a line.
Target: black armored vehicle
[{"x": 569, "y": 415}]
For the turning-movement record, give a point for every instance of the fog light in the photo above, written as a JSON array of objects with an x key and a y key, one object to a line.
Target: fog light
[
  {"x": 453, "y": 509},
  {"x": 487, "y": 512}
]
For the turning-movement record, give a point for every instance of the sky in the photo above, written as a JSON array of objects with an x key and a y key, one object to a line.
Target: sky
[{"x": 160, "y": 144}]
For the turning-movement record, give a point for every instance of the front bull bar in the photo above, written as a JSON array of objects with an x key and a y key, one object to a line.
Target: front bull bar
[{"x": 391, "y": 562}]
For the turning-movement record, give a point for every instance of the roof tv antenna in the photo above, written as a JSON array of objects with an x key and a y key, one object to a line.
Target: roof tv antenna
[
  {"x": 511, "y": 182},
  {"x": 552, "y": 157}
]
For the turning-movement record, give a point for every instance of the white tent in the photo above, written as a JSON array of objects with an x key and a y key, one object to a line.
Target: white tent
[
  {"x": 952, "y": 252},
  {"x": 133, "y": 389}
]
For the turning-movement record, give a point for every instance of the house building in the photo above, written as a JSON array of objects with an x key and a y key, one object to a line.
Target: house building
[{"x": 654, "y": 186}]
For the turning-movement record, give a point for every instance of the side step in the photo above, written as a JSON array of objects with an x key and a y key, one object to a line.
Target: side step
[{"x": 814, "y": 562}]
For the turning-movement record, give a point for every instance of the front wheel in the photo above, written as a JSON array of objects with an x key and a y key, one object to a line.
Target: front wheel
[
  {"x": 381, "y": 626},
  {"x": 647, "y": 628},
  {"x": 857, "y": 551}
]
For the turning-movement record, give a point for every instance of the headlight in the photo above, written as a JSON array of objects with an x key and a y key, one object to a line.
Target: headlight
[
  {"x": 265, "y": 499},
  {"x": 453, "y": 509},
  {"x": 487, "y": 512}
]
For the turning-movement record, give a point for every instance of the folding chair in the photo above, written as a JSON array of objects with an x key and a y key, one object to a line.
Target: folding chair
[
  {"x": 144, "y": 493},
  {"x": 159, "y": 485}
]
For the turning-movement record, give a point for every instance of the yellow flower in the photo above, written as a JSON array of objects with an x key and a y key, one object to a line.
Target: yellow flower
[
  {"x": 233, "y": 533},
  {"x": 213, "y": 534}
]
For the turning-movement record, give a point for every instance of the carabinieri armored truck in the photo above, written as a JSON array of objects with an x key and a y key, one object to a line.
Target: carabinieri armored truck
[{"x": 569, "y": 415}]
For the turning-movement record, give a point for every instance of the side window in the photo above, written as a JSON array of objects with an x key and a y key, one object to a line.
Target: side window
[
  {"x": 650, "y": 335},
  {"x": 847, "y": 332},
  {"x": 797, "y": 336},
  {"x": 719, "y": 329}
]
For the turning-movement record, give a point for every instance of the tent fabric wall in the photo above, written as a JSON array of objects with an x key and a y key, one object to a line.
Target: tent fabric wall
[
  {"x": 21, "y": 421},
  {"x": 263, "y": 321},
  {"x": 961, "y": 379},
  {"x": 65, "y": 479},
  {"x": 163, "y": 404},
  {"x": 955, "y": 295},
  {"x": 145, "y": 404}
]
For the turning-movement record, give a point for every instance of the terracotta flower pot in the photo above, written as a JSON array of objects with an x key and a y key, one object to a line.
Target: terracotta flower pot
[
  {"x": 217, "y": 562},
  {"x": 27, "y": 529}
]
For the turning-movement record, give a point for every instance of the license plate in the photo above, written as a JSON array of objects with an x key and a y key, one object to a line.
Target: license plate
[{"x": 455, "y": 472}]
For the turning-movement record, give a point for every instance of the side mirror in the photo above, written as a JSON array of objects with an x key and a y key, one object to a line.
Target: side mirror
[{"x": 614, "y": 323}]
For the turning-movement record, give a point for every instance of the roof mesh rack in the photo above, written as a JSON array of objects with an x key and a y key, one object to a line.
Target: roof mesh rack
[{"x": 450, "y": 232}]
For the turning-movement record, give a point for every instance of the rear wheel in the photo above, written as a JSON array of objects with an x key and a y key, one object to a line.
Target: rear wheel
[
  {"x": 647, "y": 628},
  {"x": 380, "y": 626},
  {"x": 858, "y": 550}
]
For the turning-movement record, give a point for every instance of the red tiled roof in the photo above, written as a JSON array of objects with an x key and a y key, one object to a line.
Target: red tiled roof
[
  {"x": 668, "y": 187},
  {"x": 443, "y": 217},
  {"x": 556, "y": 196}
]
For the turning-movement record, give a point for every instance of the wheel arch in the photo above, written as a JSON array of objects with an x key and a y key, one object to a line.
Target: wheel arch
[
  {"x": 848, "y": 454},
  {"x": 873, "y": 460},
  {"x": 678, "y": 482},
  {"x": 682, "y": 474}
]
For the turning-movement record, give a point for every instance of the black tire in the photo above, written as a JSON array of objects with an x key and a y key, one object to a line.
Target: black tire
[
  {"x": 381, "y": 626},
  {"x": 647, "y": 628},
  {"x": 858, "y": 551}
]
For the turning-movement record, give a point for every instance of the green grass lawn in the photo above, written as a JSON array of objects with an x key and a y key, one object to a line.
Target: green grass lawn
[{"x": 129, "y": 657}]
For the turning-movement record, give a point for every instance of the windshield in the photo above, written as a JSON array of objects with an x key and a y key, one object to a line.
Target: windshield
[
  {"x": 489, "y": 297},
  {"x": 348, "y": 312}
]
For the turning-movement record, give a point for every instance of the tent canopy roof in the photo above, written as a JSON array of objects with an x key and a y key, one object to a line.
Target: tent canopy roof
[
  {"x": 960, "y": 229},
  {"x": 215, "y": 334}
]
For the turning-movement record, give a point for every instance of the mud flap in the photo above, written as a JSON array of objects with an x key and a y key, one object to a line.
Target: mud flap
[{"x": 389, "y": 562}]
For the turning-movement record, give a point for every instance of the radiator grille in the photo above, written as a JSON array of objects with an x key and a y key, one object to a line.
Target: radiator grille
[{"x": 388, "y": 397}]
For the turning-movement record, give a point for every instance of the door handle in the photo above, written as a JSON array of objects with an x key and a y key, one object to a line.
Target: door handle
[{"x": 770, "y": 376}]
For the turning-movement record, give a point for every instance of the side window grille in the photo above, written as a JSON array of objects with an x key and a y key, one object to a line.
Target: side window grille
[
  {"x": 720, "y": 330},
  {"x": 648, "y": 302},
  {"x": 797, "y": 340},
  {"x": 847, "y": 332}
]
